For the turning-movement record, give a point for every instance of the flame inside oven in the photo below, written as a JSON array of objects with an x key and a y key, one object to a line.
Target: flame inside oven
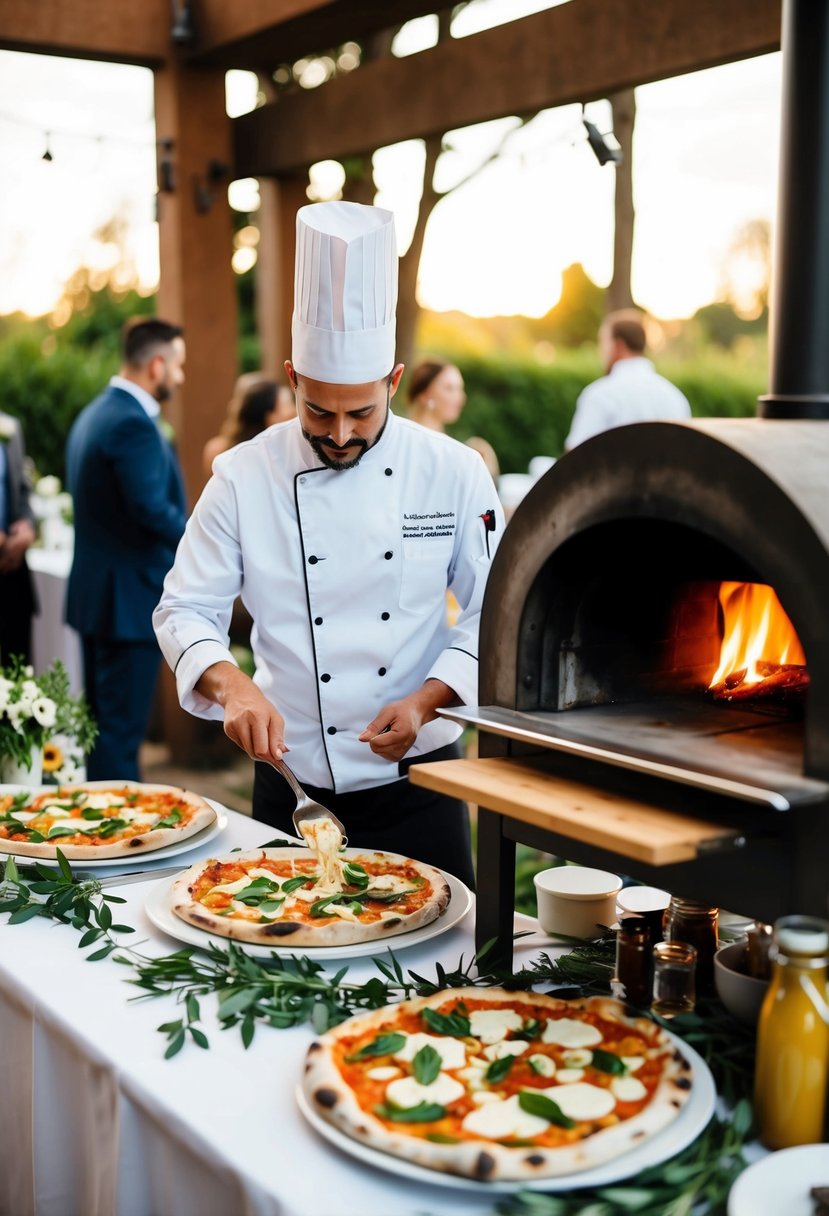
[{"x": 761, "y": 655}]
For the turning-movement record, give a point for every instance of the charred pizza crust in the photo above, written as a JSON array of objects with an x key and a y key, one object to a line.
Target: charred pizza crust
[
  {"x": 128, "y": 798},
  {"x": 341, "y": 1089},
  {"x": 295, "y": 926}
]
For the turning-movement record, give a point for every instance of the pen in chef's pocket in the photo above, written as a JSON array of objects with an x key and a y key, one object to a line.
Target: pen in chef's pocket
[{"x": 489, "y": 526}]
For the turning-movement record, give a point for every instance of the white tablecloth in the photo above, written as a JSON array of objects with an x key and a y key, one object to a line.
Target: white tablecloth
[
  {"x": 95, "y": 1122},
  {"x": 51, "y": 636}
]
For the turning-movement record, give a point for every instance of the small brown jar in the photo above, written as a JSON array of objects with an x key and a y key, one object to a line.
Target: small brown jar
[
  {"x": 634, "y": 965},
  {"x": 695, "y": 923}
]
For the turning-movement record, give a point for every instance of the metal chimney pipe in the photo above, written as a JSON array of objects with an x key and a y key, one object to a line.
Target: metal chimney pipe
[{"x": 799, "y": 313}]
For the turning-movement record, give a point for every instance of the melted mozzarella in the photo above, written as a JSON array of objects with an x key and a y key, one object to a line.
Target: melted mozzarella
[
  {"x": 507, "y": 1047},
  {"x": 577, "y": 1057},
  {"x": 583, "y": 1101},
  {"x": 25, "y": 816},
  {"x": 634, "y": 1063},
  {"x": 261, "y": 872},
  {"x": 408, "y": 1092},
  {"x": 384, "y": 1072},
  {"x": 232, "y": 888},
  {"x": 545, "y": 1066},
  {"x": 492, "y": 1025},
  {"x": 569, "y": 1076},
  {"x": 309, "y": 897},
  {"x": 451, "y": 1051},
  {"x": 390, "y": 883},
  {"x": 628, "y": 1089},
  {"x": 56, "y": 812},
  {"x": 484, "y": 1097},
  {"x": 101, "y": 802},
  {"x": 568, "y": 1032},
  {"x": 343, "y": 912},
  {"x": 497, "y": 1120},
  {"x": 325, "y": 840}
]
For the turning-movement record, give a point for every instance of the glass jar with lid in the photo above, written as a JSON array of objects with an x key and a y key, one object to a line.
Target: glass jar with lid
[
  {"x": 790, "y": 1080},
  {"x": 696, "y": 924}
]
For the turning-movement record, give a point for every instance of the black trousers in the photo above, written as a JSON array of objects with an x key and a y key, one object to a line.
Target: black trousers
[
  {"x": 119, "y": 680},
  {"x": 398, "y": 817},
  {"x": 16, "y": 608}
]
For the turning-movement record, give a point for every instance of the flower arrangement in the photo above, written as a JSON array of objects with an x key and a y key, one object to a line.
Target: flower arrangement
[
  {"x": 7, "y": 428},
  {"x": 34, "y": 708}
]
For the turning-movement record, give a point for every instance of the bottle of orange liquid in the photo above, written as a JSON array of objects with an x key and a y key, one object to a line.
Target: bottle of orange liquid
[{"x": 793, "y": 1036}]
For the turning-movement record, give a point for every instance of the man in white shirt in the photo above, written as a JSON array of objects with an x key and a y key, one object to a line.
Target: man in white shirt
[
  {"x": 342, "y": 530},
  {"x": 632, "y": 390}
]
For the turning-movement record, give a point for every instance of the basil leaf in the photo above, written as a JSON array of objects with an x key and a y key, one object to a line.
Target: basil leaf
[
  {"x": 454, "y": 1024},
  {"x": 606, "y": 1061},
  {"x": 383, "y": 1045},
  {"x": 424, "y": 1112},
  {"x": 259, "y": 890},
  {"x": 535, "y": 1103},
  {"x": 320, "y": 907},
  {"x": 426, "y": 1065},
  {"x": 108, "y": 828},
  {"x": 385, "y": 897},
  {"x": 355, "y": 875},
  {"x": 270, "y": 907},
  {"x": 498, "y": 1069},
  {"x": 170, "y": 821},
  {"x": 60, "y": 829},
  {"x": 530, "y": 1030},
  {"x": 89, "y": 812},
  {"x": 293, "y": 884},
  {"x": 440, "y": 1138}
]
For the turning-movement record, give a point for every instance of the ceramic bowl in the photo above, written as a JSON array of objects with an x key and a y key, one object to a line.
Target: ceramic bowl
[
  {"x": 576, "y": 901},
  {"x": 740, "y": 992}
]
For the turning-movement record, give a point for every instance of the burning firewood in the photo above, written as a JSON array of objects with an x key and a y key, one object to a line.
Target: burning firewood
[{"x": 780, "y": 680}]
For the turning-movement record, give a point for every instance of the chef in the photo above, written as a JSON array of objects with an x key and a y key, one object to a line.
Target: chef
[{"x": 342, "y": 530}]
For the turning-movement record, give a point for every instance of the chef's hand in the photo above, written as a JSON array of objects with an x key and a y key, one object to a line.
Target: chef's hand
[
  {"x": 250, "y": 720},
  {"x": 18, "y": 539},
  {"x": 393, "y": 731}
]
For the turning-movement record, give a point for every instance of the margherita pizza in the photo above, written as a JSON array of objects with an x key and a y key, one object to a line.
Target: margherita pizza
[
  {"x": 100, "y": 819},
  {"x": 491, "y": 1084},
  {"x": 310, "y": 898}
]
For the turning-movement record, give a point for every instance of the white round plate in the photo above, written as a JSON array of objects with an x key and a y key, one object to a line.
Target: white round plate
[
  {"x": 133, "y": 859},
  {"x": 691, "y": 1120},
  {"x": 158, "y": 909},
  {"x": 779, "y": 1184}
]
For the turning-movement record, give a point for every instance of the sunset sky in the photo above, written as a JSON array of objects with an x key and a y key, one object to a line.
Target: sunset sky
[{"x": 704, "y": 163}]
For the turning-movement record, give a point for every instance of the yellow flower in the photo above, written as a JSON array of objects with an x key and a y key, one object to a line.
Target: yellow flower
[{"x": 52, "y": 757}]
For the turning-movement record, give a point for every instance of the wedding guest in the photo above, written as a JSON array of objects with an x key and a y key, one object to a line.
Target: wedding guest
[
  {"x": 257, "y": 403},
  {"x": 17, "y": 533},
  {"x": 632, "y": 390},
  {"x": 129, "y": 516},
  {"x": 436, "y": 394}
]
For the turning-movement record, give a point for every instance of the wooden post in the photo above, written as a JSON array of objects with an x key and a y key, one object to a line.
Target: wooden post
[
  {"x": 197, "y": 290},
  {"x": 280, "y": 199}
]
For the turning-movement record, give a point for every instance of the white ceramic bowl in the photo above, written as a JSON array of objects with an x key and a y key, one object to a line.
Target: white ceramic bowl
[
  {"x": 576, "y": 901},
  {"x": 740, "y": 992}
]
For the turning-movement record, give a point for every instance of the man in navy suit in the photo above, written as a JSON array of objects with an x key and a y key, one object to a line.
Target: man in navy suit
[
  {"x": 129, "y": 516},
  {"x": 17, "y": 532}
]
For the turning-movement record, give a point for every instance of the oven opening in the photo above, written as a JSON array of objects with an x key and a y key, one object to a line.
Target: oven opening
[{"x": 652, "y": 640}]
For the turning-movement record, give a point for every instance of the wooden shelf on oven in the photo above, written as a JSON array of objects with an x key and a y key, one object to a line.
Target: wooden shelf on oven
[{"x": 626, "y": 826}]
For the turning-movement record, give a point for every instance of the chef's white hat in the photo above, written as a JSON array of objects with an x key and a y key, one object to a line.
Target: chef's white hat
[{"x": 345, "y": 293}]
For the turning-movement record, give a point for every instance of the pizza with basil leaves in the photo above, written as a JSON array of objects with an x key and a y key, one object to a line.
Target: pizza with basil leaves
[
  {"x": 99, "y": 819},
  {"x": 304, "y": 897},
  {"x": 491, "y": 1084}
]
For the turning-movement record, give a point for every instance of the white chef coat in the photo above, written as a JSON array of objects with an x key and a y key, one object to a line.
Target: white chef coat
[
  {"x": 344, "y": 573},
  {"x": 633, "y": 391}
]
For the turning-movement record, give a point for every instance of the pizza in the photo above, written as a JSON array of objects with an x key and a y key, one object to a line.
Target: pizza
[
  {"x": 492, "y": 1085},
  {"x": 99, "y": 819},
  {"x": 310, "y": 898}
]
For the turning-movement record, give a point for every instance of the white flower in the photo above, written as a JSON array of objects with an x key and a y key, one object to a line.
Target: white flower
[
  {"x": 28, "y": 671},
  {"x": 44, "y": 711},
  {"x": 18, "y": 714},
  {"x": 29, "y": 690},
  {"x": 7, "y": 428},
  {"x": 5, "y": 688},
  {"x": 48, "y": 487}
]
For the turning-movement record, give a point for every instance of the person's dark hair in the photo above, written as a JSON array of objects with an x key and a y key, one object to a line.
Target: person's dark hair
[
  {"x": 423, "y": 375},
  {"x": 143, "y": 337},
  {"x": 627, "y": 327},
  {"x": 254, "y": 397}
]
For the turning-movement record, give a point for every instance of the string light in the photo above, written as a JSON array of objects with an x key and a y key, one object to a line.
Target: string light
[{"x": 48, "y": 135}]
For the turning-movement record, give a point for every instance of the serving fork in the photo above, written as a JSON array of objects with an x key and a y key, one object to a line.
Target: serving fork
[{"x": 306, "y": 808}]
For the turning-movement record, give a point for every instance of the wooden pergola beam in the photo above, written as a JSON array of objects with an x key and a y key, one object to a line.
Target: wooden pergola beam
[
  {"x": 89, "y": 29},
  {"x": 260, "y": 34},
  {"x": 578, "y": 52}
]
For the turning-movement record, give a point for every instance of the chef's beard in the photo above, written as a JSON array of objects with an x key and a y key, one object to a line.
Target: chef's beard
[
  {"x": 323, "y": 446},
  {"x": 323, "y": 449}
]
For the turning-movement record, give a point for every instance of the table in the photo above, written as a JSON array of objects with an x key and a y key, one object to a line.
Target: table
[
  {"x": 51, "y": 636},
  {"x": 94, "y": 1122}
]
